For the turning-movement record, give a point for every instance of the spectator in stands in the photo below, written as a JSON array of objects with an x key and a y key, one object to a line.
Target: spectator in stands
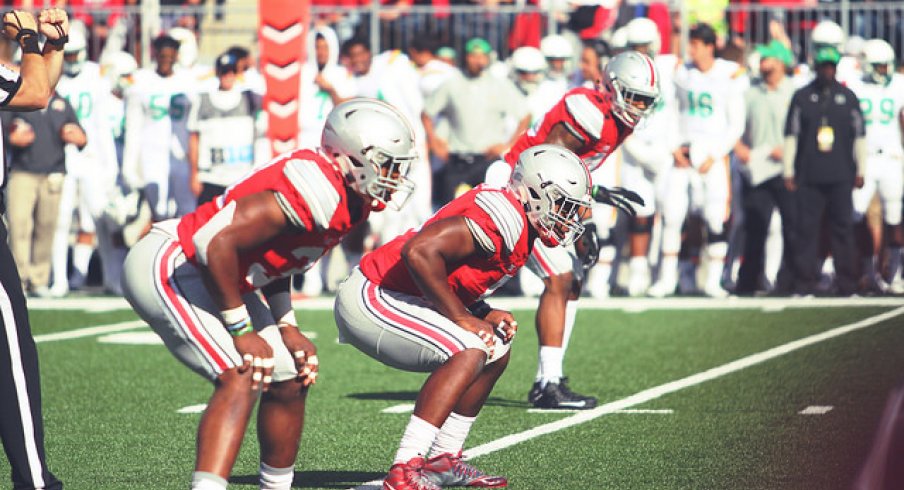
[
  {"x": 760, "y": 153},
  {"x": 432, "y": 70},
  {"x": 37, "y": 169},
  {"x": 223, "y": 127},
  {"x": 476, "y": 105},
  {"x": 248, "y": 75}
]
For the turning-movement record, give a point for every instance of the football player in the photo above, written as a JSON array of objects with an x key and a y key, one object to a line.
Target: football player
[
  {"x": 195, "y": 280},
  {"x": 416, "y": 304},
  {"x": 881, "y": 94},
  {"x": 90, "y": 172},
  {"x": 710, "y": 95},
  {"x": 592, "y": 122}
]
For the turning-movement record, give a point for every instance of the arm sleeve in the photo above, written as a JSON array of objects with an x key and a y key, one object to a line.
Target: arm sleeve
[
  {"x": 737, "y": 113},
  {"x": 789, "y": 153}
]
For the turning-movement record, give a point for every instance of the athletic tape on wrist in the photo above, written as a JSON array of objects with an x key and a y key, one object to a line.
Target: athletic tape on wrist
[
  {"x": 234, "y": 315},
  {"x": 28, "y": 39}
]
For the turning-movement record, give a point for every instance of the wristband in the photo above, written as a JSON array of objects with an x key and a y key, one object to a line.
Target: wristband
[
  {"x": 234, "y": 315},
  {"x": 28, "y": 39},
  {"x": 240, "y": 328},
  {"x": 480, "y": 309},
  {"x": 58, "y": 43}
]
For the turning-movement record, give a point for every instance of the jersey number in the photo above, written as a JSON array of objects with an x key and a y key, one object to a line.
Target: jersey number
[
  {"x": 82, "y": 104},
  {"x": 700, "y": 104},
  {"x": 886, "y": 111},
  {"x": 163, "y": 105}
]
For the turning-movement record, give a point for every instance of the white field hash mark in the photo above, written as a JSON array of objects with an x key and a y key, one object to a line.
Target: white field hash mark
[
  {"x": 664, "y": 389},
  {"x": 816, "y": 410}
]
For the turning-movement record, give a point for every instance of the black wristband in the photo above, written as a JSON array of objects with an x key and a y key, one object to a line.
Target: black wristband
[
  {"x": 58, "y": 43},
  {"x": 480, "y": 309},
  {"x": 28, "y": 39}
]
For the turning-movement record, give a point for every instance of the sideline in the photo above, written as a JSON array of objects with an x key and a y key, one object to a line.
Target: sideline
[{"x": 664, "y": 389}]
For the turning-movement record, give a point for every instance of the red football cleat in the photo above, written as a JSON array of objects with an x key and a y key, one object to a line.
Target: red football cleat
[
  {"x": 449, "y": 470},
  {"x": 408, "y": 476}
]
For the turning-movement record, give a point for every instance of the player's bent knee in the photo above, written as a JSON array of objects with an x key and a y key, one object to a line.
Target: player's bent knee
[
  {"x": 559, "y": 285},
  {"x": 287, "y": 391}
]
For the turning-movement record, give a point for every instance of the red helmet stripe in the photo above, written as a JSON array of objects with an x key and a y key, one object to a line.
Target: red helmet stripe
[{"x": 652, "y": 71}]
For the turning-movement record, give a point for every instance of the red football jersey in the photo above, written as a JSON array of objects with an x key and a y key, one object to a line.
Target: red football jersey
[
  {"x": 500, "y": 227},
  {"x": 312, "y": 193},
  {"x": 587, "y": 113}
]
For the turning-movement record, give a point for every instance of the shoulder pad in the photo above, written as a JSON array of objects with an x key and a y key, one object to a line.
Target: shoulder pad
[
  {"x": 321, "y": 197},
  {"x": 502, "y": 212},
  {"x": 588, "y": 115}
]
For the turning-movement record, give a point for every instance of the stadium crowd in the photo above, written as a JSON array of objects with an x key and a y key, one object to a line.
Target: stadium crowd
[{"x": 181, "y": 132}]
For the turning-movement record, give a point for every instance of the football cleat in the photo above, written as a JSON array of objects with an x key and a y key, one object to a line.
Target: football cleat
[
  {"x": 409, "y": 476},
  {"x": 535, "y": 392},
  {"x": 452, "y": 471},
  {"x": 559, "y": 396}
]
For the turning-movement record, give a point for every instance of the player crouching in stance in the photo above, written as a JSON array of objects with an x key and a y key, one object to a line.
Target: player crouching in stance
[
  {"x": 416, "y": 304},
  {"x": 195, "y": 280}
]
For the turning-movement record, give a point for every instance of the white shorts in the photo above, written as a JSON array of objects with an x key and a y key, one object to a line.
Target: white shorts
[
  {"x": 398, "y": 329},
  {"x": 884, "y": 174},
  {"x": 169, "y": 293}
]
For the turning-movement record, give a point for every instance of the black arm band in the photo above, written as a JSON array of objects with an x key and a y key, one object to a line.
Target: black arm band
[
  {"x": 28, "y": 39},
  {"x": 480, "y": 309},
  {"x": 58, "y": 43}
]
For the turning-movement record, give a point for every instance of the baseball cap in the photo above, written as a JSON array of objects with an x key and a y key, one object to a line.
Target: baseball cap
[
  {"x": 478, "y": 44},
  {"x": 776, "y": 49},
  {"x": 226, "y": 63},
  {"x": 827, "y": 54},
  {"x": 446, "y": 52}
]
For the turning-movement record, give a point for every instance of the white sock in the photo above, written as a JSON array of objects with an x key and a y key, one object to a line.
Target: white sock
[
  {"x": 276, "y": 478},
  {"x": 81, "y": 257},
  {"x": 551, "y": 364},
  {"x": 715, "y": 263},
  {"x": 417, "y": 439},
  {"x": 668, "y": 271},
  {"x": 451, "y": 438},
  {"x": 894, "y": 263},
  {"x": 571, "y": 311},
  {"x": 201, "y": 480}
]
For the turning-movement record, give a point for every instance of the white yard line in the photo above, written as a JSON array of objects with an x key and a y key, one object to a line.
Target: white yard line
[
  {"x": 90, "y": 331},
  {"x": 665, "y": 389},
  {"x": 816, "y": 410}
]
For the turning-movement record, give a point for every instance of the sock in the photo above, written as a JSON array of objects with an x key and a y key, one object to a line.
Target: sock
[
  {"x": 894, "y": 263},
  {"x": 551, "y": 364},
  {"x": 81, "y": 257},
  {"x": 417, "y": 440},
  {"x": 715, "y": 263},
  {"x": 668, "y": 271},
  {"x": 571, "y": 311},
  {"x": 452, "y": 435},
  {"x": 201, "y": 480},
  {"x": 276, "y": 478}
]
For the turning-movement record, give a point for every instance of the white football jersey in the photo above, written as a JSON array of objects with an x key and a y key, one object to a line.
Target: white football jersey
[
  {"x": 655, "y": 138},
  {"x": 882, "y": 106},
  {"x": 156, "y": 115},
  {"x": 711, "y": 105},
  {"x": 88, "y": 93}
]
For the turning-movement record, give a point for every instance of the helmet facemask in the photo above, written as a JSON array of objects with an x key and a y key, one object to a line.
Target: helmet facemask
[
  {"x": 629, "y": 106},
  {"x": 383, "y": 177},
  {"x": 556, "y": 216}
]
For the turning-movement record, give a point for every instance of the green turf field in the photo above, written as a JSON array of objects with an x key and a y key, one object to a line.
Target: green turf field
[{"x": 112, "y": 421}]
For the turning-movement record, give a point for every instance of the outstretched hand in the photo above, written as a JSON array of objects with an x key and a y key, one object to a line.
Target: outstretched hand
[{"x": 618, "y": 197}]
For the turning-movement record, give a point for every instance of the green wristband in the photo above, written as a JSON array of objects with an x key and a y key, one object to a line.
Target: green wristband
[{"x": 240, "y": 328}]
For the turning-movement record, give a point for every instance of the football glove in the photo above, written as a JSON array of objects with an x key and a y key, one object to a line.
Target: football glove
[
  {"x": 618, "y": 197},
  {"x": 587, "y": 247}
]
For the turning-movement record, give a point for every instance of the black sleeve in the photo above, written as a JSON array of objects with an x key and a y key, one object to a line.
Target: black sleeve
[{"x": 856, "y": 115}]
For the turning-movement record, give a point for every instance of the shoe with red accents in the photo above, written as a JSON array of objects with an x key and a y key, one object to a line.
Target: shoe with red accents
[
  {"x": 409, "y": 476},
  {"x": 452, "y": 471}
]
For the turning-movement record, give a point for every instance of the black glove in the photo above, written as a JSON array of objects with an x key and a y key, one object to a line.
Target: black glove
[
  {"x": 587, "y": 247},
  {"x": 618, "y": 197}
]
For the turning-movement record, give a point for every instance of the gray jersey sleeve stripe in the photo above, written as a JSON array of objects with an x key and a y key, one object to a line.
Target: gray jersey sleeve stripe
[
  {"x": 480, "y": 236},
  {"x": 287, "y": 209},
  {"x": 503, "y": 215},
  {"x": 315, "y": 189},
  {"x": 589, "y": 116}
]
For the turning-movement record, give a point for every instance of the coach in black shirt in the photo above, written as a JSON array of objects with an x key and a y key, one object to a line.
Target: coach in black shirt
[{"x": 824, "y": 159}]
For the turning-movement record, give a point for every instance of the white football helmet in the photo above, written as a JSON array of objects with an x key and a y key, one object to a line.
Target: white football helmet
[
  {"x": 642, "y": 31},
  {"x": 77, "y": 44},
  {"x": 554, "y": 186},
  {"x": 188, "y": 46},
  {"x": 828, "y": 33},
  {"x": 373, "y": 144},
  {"x": 631, "y": 77},
  {"x": 528, "y": 59},
  {"x": 619, "y": 40},
  {"x": 555, "y": 46},
  {"x": 118, "y": 67},
  {"x": 877, "y": 52}
]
